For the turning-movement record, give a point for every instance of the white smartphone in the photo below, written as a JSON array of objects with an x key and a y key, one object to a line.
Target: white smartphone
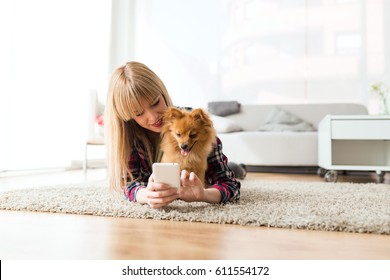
[{"x": 167, "y": 173}]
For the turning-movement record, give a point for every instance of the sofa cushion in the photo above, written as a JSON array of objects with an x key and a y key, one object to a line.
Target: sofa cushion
[
  {"x": 281, "y": 120},
  {"x": 224, "y": 125},
  {"x": 279, "y": 148}
]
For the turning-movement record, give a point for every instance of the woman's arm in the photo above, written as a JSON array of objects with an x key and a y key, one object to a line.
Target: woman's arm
[
  {"x": 221, "y": 177},
  {"x": 192, "y": 189},
  {"x": 142, "y": 188},
  {"x": 140, "y": 170}
]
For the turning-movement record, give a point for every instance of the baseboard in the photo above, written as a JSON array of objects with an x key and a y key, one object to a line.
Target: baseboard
[
  {"x": 92, "y": 163},
  {"x": 283, "y": 169}
]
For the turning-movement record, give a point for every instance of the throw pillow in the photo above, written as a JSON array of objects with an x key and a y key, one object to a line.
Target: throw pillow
[
  {"x": 281, "y": 120},
  {"x": 224, "y": 125},
  {"x": 223, "y": 108}
]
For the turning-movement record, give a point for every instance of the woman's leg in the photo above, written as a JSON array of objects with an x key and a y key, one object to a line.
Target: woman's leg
[{"x": 238, "y": 169}]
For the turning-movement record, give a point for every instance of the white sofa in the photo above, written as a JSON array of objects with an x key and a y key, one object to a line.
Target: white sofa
[{"x": 257, "y": 148}]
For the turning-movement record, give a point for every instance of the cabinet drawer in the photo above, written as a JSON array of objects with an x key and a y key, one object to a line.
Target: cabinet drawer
[{"x": 360, "y": 129}]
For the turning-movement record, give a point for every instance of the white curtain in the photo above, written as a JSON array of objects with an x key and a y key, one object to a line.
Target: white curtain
[
  {"x": 180, "y": 41},
  {"x": 122, "y": 33},
  {"x": 305, "y": 51},
  {"x": 52, "y": 53},
  {"x": 266, "y": 51}
]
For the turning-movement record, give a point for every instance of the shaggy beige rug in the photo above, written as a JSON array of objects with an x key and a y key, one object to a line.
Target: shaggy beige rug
[{"x": 362, "y": 208}]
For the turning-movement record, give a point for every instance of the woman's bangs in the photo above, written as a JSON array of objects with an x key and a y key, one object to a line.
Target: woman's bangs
[
  {"x": 125, "y": 105},
  {"x": 133, "y": 108},
  {"x": 131, "y": 102}
]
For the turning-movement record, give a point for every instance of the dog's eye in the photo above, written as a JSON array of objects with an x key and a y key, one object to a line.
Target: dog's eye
[
  {"x": 192, "y": 136},
  {"x": 178, "y": 134}
]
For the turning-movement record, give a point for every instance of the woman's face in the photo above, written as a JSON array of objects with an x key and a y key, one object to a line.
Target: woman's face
[{"x": 150, "y": 115}]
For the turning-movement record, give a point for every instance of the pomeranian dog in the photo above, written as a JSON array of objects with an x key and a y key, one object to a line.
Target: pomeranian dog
[{"x": 188, "y": 138}]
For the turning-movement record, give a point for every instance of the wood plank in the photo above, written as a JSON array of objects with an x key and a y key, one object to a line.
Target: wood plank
[{"x": 29, "y": 235}]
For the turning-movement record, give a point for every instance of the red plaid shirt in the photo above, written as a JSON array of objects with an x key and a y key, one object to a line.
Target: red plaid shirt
[{"x": 218, "y": 174}]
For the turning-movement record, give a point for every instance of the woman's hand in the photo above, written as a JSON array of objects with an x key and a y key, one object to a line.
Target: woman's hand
[
  {"x": 157, "y": 195},
  {"x": 192, "y": 189}
]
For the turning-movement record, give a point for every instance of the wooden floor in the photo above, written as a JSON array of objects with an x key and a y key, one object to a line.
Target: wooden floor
[{"x": 27, "y": 235}]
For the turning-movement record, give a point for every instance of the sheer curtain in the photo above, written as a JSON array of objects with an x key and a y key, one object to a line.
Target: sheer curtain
[
  {"x": 266, "y": 51},
  {"x": 180, "y": 41},
  {"x": 305, "y": 50},
  {"x": 52, "y": 53}
]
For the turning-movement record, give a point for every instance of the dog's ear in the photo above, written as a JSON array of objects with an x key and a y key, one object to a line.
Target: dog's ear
[
  {"x": 176, "y": 113},
  {"x": 173, "y": 113},
  {"x": 200, "y": 115}
]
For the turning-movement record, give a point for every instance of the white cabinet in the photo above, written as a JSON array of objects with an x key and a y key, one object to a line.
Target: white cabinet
[{"x": 358, "y": 142}]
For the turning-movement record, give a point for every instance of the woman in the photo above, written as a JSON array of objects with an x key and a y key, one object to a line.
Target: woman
[{"x": 136, "y": 102}]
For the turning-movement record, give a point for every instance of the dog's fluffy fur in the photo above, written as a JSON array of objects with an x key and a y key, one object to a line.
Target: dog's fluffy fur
[{"x": 188, "y": 138}]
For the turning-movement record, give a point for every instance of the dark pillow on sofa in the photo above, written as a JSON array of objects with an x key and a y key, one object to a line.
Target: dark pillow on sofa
[
  {"x": 223, "y": 108},
  {"x": 281, "y": 120}
]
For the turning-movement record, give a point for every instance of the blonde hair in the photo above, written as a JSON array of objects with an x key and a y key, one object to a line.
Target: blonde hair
[{"x": 129, "y": 84}]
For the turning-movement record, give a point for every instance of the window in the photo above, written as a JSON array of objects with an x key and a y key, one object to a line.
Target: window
[
  {"x": 305, "y": 51},
  {"x": 52, "y": 53}
]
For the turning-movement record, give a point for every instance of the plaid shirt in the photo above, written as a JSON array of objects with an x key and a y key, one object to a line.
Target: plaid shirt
[{"x": 218, "y": 174}]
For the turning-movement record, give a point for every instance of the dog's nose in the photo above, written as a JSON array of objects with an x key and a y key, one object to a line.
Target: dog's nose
[{"x": 184, "y": 146}]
